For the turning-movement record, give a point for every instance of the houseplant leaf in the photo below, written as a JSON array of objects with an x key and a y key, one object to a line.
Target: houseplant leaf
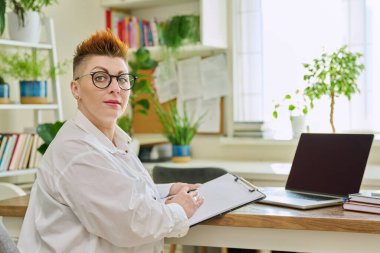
[{"x": 47, "y": 132}]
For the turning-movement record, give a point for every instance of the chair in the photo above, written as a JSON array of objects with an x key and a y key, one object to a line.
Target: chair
[
  {"x": 162, "y": 175},
  {"x": 7, "y": 245},
  {"x": 13, "y": 224}
]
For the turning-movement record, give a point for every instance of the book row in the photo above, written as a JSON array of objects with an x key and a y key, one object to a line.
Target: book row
[
  {"x": 19, "y": 151},
  {"x": 135, "y": 32}
]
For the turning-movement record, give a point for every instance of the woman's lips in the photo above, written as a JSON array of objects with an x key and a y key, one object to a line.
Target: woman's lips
[{"x": 113, "y": 103}]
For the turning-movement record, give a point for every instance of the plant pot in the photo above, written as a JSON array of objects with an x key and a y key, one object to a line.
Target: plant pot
[
  {"x": 4, "y": 93},
  {"x": 33, "y": 92},
  {"x": 181, "y": 153},
  {"x": 31, "y": 30},
  {"x": 298, "y": 125}
]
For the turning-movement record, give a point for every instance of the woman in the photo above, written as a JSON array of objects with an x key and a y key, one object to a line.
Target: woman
[{"x": 92, "y": 194}]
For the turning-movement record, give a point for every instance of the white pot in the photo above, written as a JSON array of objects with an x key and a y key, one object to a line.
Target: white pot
[
  {"x": 298, "y": 125},
  {"x": 31, "y": 30}
]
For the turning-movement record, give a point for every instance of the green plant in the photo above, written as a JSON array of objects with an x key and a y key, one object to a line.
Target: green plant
[
  {"x": 333, "y": 75},
  {"x": 296, "y": 104},
  {"x": 47, "y": 132},
  {"x": 179, "y": 29},
  {"x": 27, "y": 67},
  {"x": 179, "y": 129},
  {"x": 2, "y": 81},
  {"x": 21, "y": 6},
  {"x": 3, "y": 6},
  {"x": 139, "y": 103}
]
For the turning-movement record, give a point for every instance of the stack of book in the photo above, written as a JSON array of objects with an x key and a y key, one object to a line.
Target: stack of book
[
  {"x": 248, "y": 129},
  {"x": 364, "y": 202}
]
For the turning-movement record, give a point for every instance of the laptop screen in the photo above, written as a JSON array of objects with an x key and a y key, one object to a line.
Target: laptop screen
[{"x": 331, "y": 164}]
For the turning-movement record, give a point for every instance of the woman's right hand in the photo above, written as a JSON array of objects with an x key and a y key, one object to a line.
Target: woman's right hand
[{"x": 190, "y": 201}]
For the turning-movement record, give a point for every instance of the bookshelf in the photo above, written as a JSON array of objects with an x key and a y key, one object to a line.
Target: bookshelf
[
  {"x": 20, "y": 168},
  {"x": 50, "y": 46},
  {"x": 18, "y": 173},
  {"x": 213, "y": 20}
]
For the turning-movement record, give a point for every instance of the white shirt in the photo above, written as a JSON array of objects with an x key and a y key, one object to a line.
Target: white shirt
[{"x": 92, "y": 197}]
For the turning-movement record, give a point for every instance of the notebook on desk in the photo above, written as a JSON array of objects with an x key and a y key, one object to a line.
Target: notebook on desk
[{"x": 326, "y": 168}]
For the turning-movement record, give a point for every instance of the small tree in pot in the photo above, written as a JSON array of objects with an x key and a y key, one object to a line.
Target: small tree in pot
[{"x": 333, "y": 75}]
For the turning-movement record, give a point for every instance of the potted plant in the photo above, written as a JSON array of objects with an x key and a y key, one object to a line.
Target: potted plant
[
  {"x": 139, "y": 100},
  {"x": 296, "y": 105},
  {"x": 24, "y": 20},
  {"x": 333, "y": 75},
  {"x": 32, "y": 72},
  {"x": 179, "y": 129},
  {"x": 4, "y": 91},
  {"x": 177, "y": 31},
  {"x": 180, "y": 29}
]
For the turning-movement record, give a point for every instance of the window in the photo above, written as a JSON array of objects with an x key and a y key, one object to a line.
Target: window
[{"x": 275, "y": 37}]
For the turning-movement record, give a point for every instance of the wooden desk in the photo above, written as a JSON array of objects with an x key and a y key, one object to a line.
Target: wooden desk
[
  {"x": 14, "y": 207},
  {"x": 259, "y": 226}
]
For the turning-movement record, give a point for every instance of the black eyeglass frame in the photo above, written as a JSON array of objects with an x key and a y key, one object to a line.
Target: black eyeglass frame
[{"x": 92, "y": 74}]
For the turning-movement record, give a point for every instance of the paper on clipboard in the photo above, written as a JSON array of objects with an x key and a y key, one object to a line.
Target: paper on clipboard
[{"x": 224, "y": 194}]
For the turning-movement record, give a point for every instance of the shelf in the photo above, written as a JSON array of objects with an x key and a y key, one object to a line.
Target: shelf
[
  {"x": 14, "y": 43},
  {"x": 28, "y": 107},
  {"x": 18, "y": 172},
  {"x": 136, "y": 4},
  {"x": 184, "y": 52}
]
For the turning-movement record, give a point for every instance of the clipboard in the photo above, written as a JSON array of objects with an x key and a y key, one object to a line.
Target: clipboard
[{"x": 224, "y": 194}]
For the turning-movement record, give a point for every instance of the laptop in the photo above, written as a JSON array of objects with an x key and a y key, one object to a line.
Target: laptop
[{"x": 326, "y": 168}]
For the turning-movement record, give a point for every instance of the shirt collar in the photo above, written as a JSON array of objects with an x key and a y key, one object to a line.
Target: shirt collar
[{"x": 121, "y": 138}]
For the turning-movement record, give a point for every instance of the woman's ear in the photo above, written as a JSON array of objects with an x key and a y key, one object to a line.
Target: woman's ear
[{"x": 75, "y": 89}]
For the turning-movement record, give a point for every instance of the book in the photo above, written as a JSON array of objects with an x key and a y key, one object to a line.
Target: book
[
  {"x": 366, "y": 197},
  {"x": 248, "y": 126},
  {"x": 33, "y": 152},
  {"x": 4, "y": 140},
  {"x": 26, "y": 152},
  {"x": 361, "y": 207},
  {"x": 37, "y": 155},
  {"x": 108, "y": 19},
  {"x": 8, "y": 152},
  {"x": 16, "y": 157}
]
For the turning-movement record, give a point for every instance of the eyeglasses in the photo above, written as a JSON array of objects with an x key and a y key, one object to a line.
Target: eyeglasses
[{"x": 103, "y": 79}]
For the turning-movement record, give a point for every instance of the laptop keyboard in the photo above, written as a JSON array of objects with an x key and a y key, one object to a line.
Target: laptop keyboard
[{"x": 306, "y": 196}]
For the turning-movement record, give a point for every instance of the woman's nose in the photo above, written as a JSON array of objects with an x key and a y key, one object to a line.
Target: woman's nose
[{"x": 114, "y": 84}]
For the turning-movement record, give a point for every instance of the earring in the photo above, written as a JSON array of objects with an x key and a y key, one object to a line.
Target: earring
[{"x": 76, "y": 97}]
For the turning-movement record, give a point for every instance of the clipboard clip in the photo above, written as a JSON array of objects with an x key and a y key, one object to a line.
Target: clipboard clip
[{"x": 251, "y": 187}]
